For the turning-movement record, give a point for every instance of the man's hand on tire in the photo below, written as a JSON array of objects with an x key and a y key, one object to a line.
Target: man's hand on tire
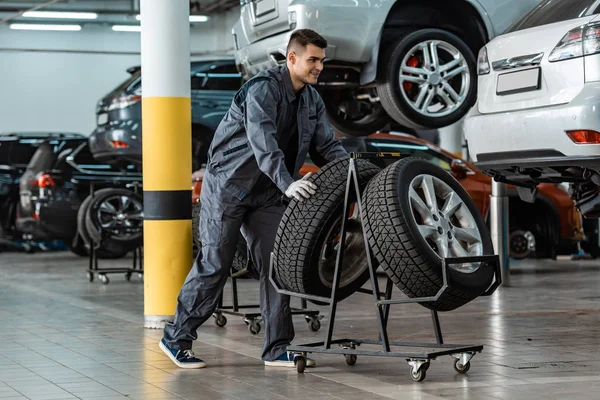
[{"x": 301, "y": 189}]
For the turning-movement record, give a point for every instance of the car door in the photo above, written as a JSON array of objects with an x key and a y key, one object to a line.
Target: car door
[
  {"x": 213, "y": 88},
  {"x": 263, "y": 18}
]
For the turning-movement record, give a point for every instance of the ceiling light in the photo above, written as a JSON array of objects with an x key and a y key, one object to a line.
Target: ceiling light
[
  {"x": 45, "y": 27},
  {"x": 193, "y": 18},
  {"x": 126, "y": 28},
  {"x": 60, "y": 14}
]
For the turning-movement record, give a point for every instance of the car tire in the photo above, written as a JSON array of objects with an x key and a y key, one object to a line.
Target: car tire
[
  {"x": 85, "y": 240},
  {"x": 241, "y": 258},
  {"x": 304, "y": 252},
  {"x": 113, "y": 201},
  {"x": 411, "y": 258},
  {"x": 396, "y": 97},
  {"x": 369, "y": 123}
]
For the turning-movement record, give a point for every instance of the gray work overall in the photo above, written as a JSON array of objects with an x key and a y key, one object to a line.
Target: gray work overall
[{"x": 242, "y": 189}]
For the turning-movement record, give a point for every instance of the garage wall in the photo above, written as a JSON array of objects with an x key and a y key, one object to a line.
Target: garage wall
[{"x": 53, "y": 80}]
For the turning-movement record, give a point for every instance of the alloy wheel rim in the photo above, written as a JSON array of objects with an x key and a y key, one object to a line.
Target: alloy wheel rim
[
  {"x": 439, "y": 84},
  {"x": 120, "y": 214},
  {"x": 444, "y": 221}
]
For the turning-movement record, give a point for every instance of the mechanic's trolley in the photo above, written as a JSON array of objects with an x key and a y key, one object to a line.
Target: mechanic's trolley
[{"x": 419, "y": 361}]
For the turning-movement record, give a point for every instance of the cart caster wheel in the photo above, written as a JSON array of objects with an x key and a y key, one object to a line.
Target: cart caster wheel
[
  {"x": 90, "y": 276},
  {"x": 419, "y": 375},
  {"x": 128, "y": 276},
  {"x": 104, "y": 279},
  {"x": 254, "y": 327},
  {"x": 314, "y": 324},
  {"x": 300, "y": 364},
  {"x": 220, "y": 321},
  {"x": 350, "y": 359},
  {"x": 462, "y": 369}
]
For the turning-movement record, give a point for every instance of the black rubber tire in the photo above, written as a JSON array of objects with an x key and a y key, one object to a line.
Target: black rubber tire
[
  {"x": 240, "y": 260},
  {"x": 305, "y": 226},
  {"x": 350, "y": 128},
  {"x": 115, "y": 252},
  {"x": 110, "y": 242},
  {"x": 400, "y": 249},
  {"x": 388, "y": 80}
]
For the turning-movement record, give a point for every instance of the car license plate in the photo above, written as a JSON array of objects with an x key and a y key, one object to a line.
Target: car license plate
[
  {"x": 102, "y": 119},
  {"x": 519, "y": 82}
]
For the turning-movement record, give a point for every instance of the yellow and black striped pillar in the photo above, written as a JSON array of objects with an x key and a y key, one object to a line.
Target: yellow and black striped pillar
[{"x": 166, "y": 151}]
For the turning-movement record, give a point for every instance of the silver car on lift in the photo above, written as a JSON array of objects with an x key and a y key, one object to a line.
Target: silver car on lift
[{"x": 411, "y": 60}]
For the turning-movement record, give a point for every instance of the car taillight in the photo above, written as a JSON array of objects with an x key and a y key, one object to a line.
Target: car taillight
[
  {"x": 122, "y": 102},
  {"x": 584, "y": 136},
  {"x": 43, "y": 181},
  {"x": 581, "y": 41},
  {"x": 483, "y": 64},
  {"x": 118, "y": 144}
]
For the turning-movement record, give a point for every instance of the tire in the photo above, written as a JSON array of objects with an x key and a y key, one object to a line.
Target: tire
[
  {"x": 308, "y": 229},
  {"x": 122, "y": 234},
  {"x": 395, "y": 96},
  {"x": 84, "y": 239},
  {"x": 371, "y": 119},
  {"x": 240, "y": 260},
  {"x": 402, "y": 250}
]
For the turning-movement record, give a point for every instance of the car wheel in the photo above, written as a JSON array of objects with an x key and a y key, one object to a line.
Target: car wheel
[
  {"x": 354, "y": 117},
  {"x": 427, "y": 79},
  {"x": 241, "y": 259},
  {"x": 114, "y": 218},
  {"x": 308, "y": 236},
  {"x": 415, "y": 215}
]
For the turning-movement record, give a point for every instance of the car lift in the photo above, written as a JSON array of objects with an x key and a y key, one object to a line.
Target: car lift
[{"x": 419, "y": 361}]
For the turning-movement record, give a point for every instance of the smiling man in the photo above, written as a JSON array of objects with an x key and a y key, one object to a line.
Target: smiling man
[{"x": 254, "y": 159}]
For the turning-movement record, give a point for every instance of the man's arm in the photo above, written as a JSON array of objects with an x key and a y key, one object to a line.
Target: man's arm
[
  {"x": 260, "y": 116},
  {"x": 324, "y": 143}
]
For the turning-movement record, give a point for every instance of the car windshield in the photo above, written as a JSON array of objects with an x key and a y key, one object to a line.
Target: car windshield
[{"x": 551, "y": 11}]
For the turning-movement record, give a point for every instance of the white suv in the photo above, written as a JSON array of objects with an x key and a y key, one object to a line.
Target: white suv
[{"x": 537, "y": 117}]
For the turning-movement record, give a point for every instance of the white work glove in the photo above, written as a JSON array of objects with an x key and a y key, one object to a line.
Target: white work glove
[{"x": 301, "y": 188}]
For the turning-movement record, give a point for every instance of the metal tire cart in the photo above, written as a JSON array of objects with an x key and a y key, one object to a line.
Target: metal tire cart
[
  {"x": 137, "y": 264},
  {"x": 254, "y": 319},
  {"x": 419, "y": 361}
]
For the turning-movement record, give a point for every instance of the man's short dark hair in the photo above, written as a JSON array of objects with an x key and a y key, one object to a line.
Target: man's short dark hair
[{"x": 304, "y": 37}]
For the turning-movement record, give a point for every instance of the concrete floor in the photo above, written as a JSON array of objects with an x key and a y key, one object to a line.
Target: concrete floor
[{"x": 62, "y": 337}]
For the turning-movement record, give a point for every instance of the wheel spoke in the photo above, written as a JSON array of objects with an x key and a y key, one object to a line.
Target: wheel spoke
[
  {"x": 421, "y": 97},
  {"x": 418, "y": 204},
  {"x": 429, "y": 191},
  {"x": 469, "y": 235},
  {"x": 136, "y": 216},
  {"x": 452, "y": 64},
  {"x": 426, "y": 55},
  {"x": 110, "y": 224},
  {"x": 455, "y": 96},
  {"x": 449, "y": 102},
  {"x": 428, "y": 100},
  {"x": 457, "y": 250},
  {"x": 125, "y": 202},
  {"x": 108, "y": 208},
  {"x": 414, "y": 79},
  {"x": 454, "y": 72},
  {"x": 413, "y": 70},
  {"x": 435, "y": 61},
  {"x": 442, "y": 245},
  {"x": 453, "y": 203},
  {"x": 427, "y": 231}
]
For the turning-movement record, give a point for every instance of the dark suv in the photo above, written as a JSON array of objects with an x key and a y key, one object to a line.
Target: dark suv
[
  {"x": 55, "y": 184},
  {"x": 16, "y": 149},
  {"x": 117, "y": 138}
]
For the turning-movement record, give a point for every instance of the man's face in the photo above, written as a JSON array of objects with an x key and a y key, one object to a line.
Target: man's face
[{"x": 307, "y": 64}]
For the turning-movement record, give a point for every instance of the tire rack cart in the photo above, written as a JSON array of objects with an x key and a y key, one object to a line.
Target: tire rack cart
[
  {"x": 254, "y": 319},
  {"x": 137, "y": 264},
  {"x": 419, "y": 361}
]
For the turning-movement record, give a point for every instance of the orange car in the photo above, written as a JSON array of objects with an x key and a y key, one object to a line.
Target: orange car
[{"x": 549, "y": 226}]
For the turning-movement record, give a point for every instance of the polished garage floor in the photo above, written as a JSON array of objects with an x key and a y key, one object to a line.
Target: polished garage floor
[{"x": 62, "y": 337}]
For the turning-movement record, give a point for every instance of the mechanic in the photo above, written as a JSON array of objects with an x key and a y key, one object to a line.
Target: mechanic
[{"x": 259, "y": 146}]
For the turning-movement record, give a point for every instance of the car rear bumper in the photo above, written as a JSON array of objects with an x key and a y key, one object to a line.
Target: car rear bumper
[
  {"x": 507, "y": 143},
  {"x": 117, "y": 144}
]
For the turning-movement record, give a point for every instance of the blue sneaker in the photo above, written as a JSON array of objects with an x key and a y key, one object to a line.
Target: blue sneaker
[
  {"x": 287, "y": 360},
  {"x": 181, "y": 358}
]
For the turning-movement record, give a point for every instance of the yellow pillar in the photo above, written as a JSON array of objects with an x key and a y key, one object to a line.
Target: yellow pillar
[{"x": 166, "y": 151}]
